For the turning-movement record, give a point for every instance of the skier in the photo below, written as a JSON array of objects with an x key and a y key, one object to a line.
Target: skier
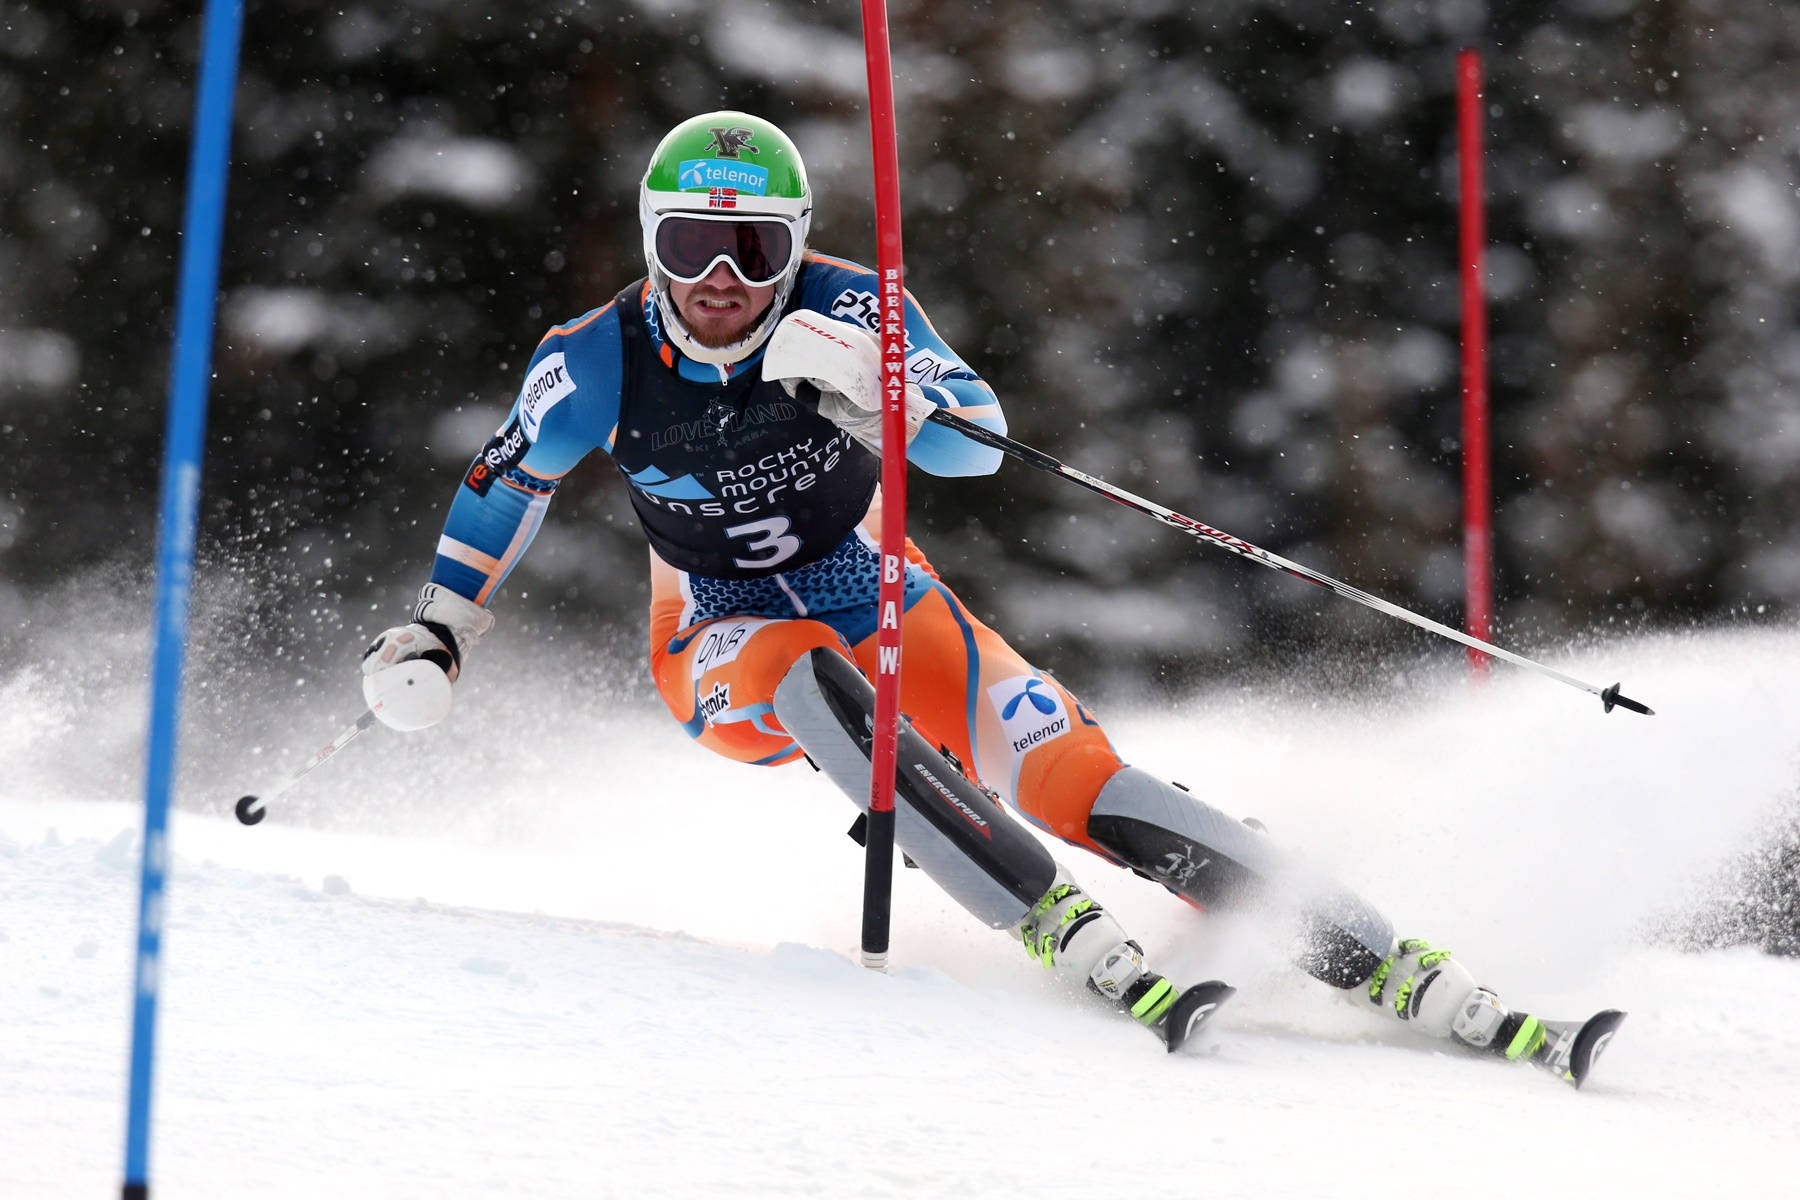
[{"x": 736, "y": 389}]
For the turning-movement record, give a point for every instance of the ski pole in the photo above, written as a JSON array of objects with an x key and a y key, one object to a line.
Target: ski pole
[
  {"x": 1609, "y": 696},
  {"x": 251, "y": 809},
  {"x": 411, "y": 695}
]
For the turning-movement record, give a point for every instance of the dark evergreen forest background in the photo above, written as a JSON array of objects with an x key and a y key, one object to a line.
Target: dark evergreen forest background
[{"x": 1203, "y": 250}]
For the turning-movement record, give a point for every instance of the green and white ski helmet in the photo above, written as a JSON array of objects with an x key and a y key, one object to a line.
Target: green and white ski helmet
[{"x": 725, "y": 166}]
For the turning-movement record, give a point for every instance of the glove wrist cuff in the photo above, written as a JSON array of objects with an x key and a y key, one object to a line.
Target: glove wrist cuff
[{"x": 456, "y": 620}]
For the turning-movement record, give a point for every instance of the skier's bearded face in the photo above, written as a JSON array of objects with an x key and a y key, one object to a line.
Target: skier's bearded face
[{"x": 720, "y": 309}]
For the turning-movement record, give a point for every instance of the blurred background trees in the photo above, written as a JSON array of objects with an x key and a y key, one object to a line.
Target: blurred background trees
[{"x": 1203, "y": 250}]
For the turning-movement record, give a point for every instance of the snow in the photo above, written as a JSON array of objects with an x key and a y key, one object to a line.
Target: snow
[
  {"x": 1613, "y": 131},
  {"x": 758, "y": 41},
  {"x": 550, "y": 950},
  {"x": 1758, "y": 209},
  {"x": 483, "y": 173},
  {"x": 1044, "y": 72},
  {"x": 282, "y": 320},
  {"x": 41, "y": 360},
  {"x": 1365, "y": 92}
]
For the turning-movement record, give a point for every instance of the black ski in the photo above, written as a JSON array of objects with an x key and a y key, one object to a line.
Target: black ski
[
  {"x": 1571, "y": 1048},
  {"x": 1191, "y": 1010}
]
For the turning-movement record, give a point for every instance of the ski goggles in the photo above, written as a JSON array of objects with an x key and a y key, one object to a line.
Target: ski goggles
[{"x": 759, "y": 250}]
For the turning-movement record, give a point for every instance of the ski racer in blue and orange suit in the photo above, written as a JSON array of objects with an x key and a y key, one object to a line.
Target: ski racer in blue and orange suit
[{"x": 761, "y": 513}]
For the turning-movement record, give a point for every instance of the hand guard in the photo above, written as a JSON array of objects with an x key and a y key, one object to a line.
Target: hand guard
[
  {"x": 843, "y": 362},
  {"x": 444, "y": 628}
]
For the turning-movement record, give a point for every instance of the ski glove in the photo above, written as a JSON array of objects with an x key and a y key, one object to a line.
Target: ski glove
[
  {"x": 444, "y": 628},
  {"x": 843, "y": 362}
]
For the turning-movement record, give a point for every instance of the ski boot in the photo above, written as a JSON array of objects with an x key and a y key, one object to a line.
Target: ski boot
[
  {"x": 1436, "y": 994},
  {"x": 1565, "y": 1049},
  {"x": 1070, "y": 933}
]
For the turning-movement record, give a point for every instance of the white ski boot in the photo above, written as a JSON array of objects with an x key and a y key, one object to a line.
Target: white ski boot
[
  {"x": 1070, "y": 933},
  {"x": 1435, "y": 994}
]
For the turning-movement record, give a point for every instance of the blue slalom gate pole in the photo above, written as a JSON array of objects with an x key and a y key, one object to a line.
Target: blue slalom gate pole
[{"x": 184, "y": 439}]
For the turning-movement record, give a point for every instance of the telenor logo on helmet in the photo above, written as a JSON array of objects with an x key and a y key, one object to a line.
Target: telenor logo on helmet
[
  {"x": 696, "y": 173},
  {"x": 731, "y": 141}
]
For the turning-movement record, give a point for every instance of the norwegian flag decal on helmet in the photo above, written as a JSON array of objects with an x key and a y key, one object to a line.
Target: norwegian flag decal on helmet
[{"x": 721, "y": 198}]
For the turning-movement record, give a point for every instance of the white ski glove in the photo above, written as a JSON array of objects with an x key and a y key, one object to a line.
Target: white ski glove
[
  {"x": 843, "y": 362},
  {"x": 444, "y": 628}
]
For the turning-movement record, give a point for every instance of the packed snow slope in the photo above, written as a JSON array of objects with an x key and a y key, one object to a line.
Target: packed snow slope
[{"x": 550, "y": 950}]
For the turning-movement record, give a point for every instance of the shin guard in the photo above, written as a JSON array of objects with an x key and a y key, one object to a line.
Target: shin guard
[
  {"x": 1172, "y": 837},
  {"x": 956, "y": 833}
]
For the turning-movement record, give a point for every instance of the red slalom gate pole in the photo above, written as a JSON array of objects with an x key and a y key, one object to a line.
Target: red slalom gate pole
[
  {"x": 878, "y": 867},
  {"x": 1478, "y": 546}
]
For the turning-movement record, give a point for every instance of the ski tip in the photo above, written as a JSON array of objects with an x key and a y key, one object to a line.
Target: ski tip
[
  {"x": 1192, "y": 1009},
  {"x": 250, "y": 810},
  {"x": 1610, "y": 697},
  {"x": 1591, "y": 1041}
]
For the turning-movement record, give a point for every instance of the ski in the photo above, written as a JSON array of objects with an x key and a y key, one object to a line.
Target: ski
[
  {"x": 1571, "y": 1048},
  {"x": 1192, "y": 1010}
]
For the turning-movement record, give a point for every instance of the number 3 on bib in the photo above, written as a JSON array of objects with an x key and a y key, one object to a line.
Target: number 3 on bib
[{"x": 769, "y": 542}]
